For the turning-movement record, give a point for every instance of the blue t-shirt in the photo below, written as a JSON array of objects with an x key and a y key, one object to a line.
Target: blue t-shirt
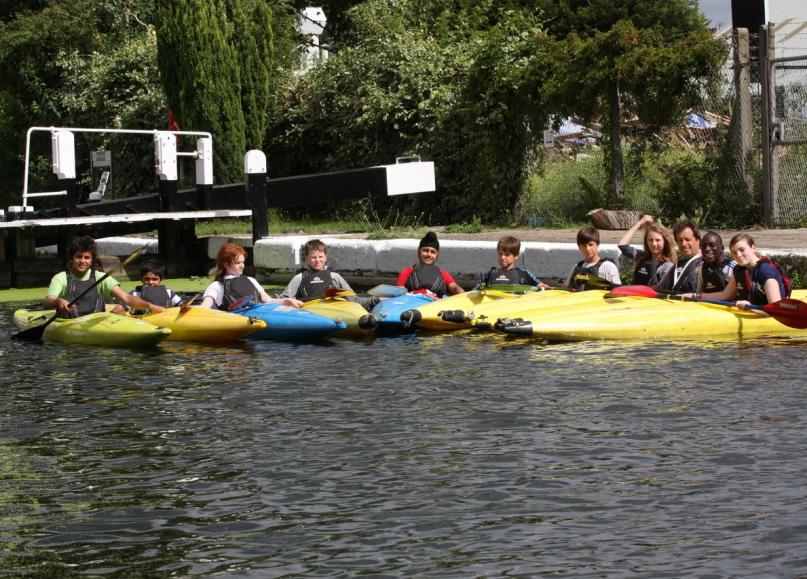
[{"x": 759, "y": 274}]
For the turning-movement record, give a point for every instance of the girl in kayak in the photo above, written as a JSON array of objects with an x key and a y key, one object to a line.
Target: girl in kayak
[
  {"x": 756, "y": 280},
  {"x": 80, "y": 275},
  {"x": 424, "y": 276},
  {"x": 231, "y": 286},
  {"x": 656, "y": 258}
]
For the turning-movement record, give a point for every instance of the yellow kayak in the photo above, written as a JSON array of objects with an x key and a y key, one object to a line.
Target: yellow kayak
[
  {"x": 99, "y": 329},
  {"x": 358, "y": 320},
  {"x": 446, "y": 315},
  {"x": 641, "y": 318},
  {"x": 485, "y": 316},
  {"x": 204, "y": 325}
]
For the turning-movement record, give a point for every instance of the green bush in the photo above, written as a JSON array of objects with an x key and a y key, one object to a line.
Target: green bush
[{"x": 565, "y": 192}]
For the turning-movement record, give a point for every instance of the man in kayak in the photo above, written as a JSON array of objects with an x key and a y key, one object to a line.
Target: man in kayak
[
  {"x": 592, "y": 269},
  {"x": 685, "y": 276},
  {"x": 425, "y": 276},
  {"x": 82, "y": 274},
  {"x": 508, "y": 250},
  {"x": 716, "y": 267}
]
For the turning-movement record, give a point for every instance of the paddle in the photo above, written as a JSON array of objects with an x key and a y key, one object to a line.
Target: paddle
[
  {"x": 185, "y": 306},
  {"x": 35, "y": 334},
  {"x": 790, "y": 312}
]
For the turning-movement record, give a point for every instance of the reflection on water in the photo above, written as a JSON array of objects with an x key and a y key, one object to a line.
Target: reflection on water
[{"x": 439, "y": 455}]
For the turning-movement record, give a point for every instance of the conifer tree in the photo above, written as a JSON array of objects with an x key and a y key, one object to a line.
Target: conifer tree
[{"x": 201, "y": 74}]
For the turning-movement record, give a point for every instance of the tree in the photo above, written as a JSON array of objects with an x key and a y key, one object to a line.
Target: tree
[
  {"x": 201, "y": 75},
  {"x": 636, "y": 57},
  {"x": 37, "y": 39}
]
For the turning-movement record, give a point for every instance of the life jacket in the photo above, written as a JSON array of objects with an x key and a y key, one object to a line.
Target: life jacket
[
  {"x": 89, "y": 303},
  {"x": 649, "y": 272},
  {"x": 582, "y": 273},
  {"x": 515, "y": 276},
  {"x": 426, "y": 277},
  {"x": 689, "y": 278},
  {"x": 714, "y": 278},
  {"x": 154, "y": 294},
  {"x": 313, "y": 284},
  {"x": 752, "y": 289},
  {"x": 238, "y": 288}
]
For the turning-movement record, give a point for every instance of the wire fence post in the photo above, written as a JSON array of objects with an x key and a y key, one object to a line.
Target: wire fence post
[{"x": 766, "y": 52}]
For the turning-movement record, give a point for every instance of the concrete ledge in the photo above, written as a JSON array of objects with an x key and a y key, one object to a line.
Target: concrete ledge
[
  {"x": 368, "y": 262},
  {"x": 466, "y": 259}
]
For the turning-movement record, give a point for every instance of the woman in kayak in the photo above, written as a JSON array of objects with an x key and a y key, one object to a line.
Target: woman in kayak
[
  {"x": 425, "y": 276},
  {"x": 81, "y": 275},
  {"x": 756, "y": 279},
  {"x": 656, "y": 258},
  {"x": 231, "y": 286}
]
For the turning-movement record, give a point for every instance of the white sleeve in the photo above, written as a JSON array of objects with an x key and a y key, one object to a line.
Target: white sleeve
[
  {"x": 610, "y": 271},
  {"x": 215, "y": 291},
  {"x": 173, "y": 298},
  {"x": 293, "y": 287}
]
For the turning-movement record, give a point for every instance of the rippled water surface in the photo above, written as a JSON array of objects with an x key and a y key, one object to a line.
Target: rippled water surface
[{"x": 449, "y": 456}]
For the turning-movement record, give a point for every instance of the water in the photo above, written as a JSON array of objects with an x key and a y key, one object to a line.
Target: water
[{"x": 438, "y": 456}]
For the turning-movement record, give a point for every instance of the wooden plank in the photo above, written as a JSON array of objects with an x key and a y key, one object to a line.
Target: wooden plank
[{"x": 125, "y": 218}]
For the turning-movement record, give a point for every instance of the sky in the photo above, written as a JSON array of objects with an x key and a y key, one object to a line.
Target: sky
[{"x": 717, "y": 11}]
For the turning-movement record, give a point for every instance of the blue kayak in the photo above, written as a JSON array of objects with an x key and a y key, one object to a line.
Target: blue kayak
[
  {"x": 288, "y": 324},
  {"x": 388, "y": 312}
]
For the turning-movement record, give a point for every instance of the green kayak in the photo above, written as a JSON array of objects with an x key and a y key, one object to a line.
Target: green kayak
[{"x": 100, "y": 329}]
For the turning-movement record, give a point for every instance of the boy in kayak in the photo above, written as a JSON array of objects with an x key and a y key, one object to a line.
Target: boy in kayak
[
  {"x": 151, "y": 288},
  {"x": 592, "y": 269},
  {"x": 311, "y": 283},
  {"x": 716, "y": 268},
  {"x": 425, "y": 276},
  {"x": 80, "y": 275},
  {"x": 315, "y": 278},
  {"x": 232, "y": 287},
  {"x": 508, "y": 249}
]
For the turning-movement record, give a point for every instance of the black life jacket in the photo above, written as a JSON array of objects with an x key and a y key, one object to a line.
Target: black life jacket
[
  {"x": 90, "y": 303},
  {"x": 751, "y": 289},
  {"x": 515, "y": 276},
  {"x": 238, "y": 288},
  {"x": 649, "y": 272},
  {"x": 313, "y": 284},
  {"x": 582, "y": 273},
  {"x": 713, "y": 279},
  {"x": 426, "y": 277},
  {"x": 689, "y": 279},
  {"x": 154, "y": 294}
]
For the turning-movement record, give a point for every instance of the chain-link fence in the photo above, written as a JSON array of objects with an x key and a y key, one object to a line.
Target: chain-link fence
[
  {"x": 788, "y": 179},
  {"x": 713, "y": 165}
]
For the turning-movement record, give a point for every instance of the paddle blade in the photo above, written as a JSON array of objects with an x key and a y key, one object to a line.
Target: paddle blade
[
  {"x": 33, "y": 334},
  {"x": 643, "y": 291},
  {"x": 337, "y": 292},
  {"x": 386, "y": 291},
  {"x": 185, "y": 306},
  {"x": 790, "y": 312}
]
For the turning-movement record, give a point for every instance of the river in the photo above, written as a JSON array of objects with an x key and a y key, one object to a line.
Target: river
[{"x": 415, "y": 455}]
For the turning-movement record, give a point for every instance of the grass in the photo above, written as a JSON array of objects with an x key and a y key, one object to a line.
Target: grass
[
  {"x": 278, "y": 226},
  {"x": 187, "y": 286}
]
